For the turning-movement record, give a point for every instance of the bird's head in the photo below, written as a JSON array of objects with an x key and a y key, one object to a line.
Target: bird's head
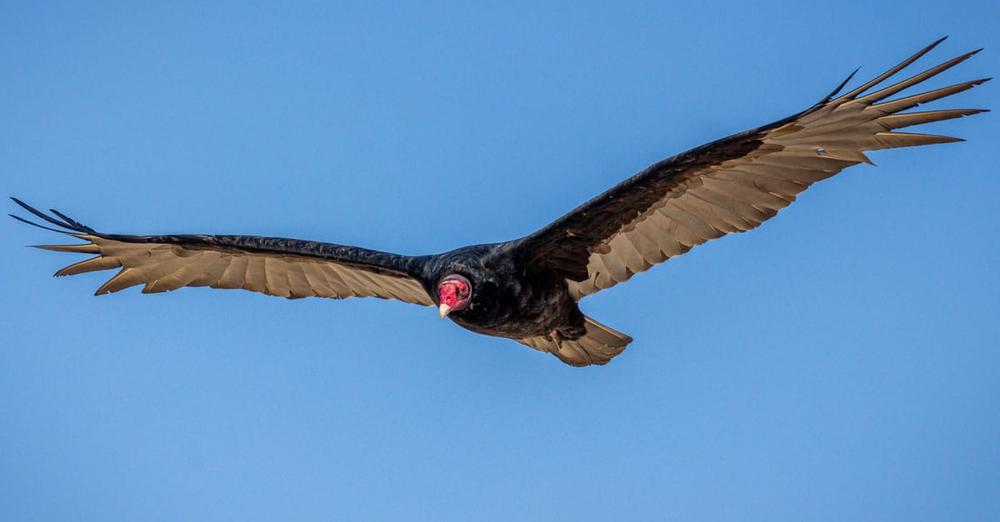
[{"x": 454, "y": 294}]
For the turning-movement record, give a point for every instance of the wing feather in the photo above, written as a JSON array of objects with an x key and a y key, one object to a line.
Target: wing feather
[
  {"x": 234, "y": 273},
  {"x": 89, "y": 265}
]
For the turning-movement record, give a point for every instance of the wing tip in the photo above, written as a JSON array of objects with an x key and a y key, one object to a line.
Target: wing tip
[
  {"x": 905, "y": 63},
  {"x": 840, "y": 87},
  {"x": 64, "y": 222},
  {"x": 932, "y": 45},
  {"x": 80, "y": 248},
  {"x": 32, "y": 223}
]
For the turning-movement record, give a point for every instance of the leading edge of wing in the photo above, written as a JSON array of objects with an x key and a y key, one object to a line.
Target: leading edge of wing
[{"x": 358, "y": 257}]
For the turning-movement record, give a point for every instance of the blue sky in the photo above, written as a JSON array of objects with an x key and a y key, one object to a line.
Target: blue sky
[{"x": 839, "y": 363}]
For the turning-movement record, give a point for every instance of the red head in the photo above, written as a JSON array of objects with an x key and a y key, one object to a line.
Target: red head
[{"x": 454, "y": 294}]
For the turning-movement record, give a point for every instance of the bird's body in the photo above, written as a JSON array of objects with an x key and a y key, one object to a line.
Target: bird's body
[
  {"x": 510, "y": 301},
  {"x": 528, "y": 289}
]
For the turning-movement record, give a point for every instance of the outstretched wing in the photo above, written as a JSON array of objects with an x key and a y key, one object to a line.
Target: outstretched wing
[
  {"x": 274, "y": 266},
  {"x": 733, "y": 184}
]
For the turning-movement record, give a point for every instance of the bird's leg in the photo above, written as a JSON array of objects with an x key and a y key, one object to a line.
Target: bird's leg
[
  {"x": 571, "y": 332},
  {"x": 557, "y": 338}
]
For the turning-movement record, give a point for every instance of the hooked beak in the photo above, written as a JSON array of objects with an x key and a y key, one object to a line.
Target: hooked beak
[{"x": 443, "y": 310}]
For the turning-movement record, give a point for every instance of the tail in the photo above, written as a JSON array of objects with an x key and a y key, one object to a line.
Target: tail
[{"x": 598, "y": 346}]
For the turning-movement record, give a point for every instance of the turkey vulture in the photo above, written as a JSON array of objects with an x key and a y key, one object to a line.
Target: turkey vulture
[{"x": 528, "y": 289}]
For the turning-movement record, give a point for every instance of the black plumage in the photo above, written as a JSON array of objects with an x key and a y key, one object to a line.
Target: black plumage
[{"x": 528, "y": 289}]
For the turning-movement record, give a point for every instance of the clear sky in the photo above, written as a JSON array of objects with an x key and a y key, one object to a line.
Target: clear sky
[{"x": 842, "y": 362}]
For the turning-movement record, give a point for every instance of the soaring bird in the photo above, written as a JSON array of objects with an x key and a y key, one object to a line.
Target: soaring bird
[{"x": 528, "y": 289}]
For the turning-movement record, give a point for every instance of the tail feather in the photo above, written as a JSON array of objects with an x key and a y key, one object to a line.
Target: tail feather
[{"x": 598, "y": 346}]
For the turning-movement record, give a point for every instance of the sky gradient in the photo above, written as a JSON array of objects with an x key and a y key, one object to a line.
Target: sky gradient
[{"x": 842, "y": 362}]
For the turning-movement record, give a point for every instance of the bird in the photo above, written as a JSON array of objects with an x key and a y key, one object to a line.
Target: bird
[{"x": 528, "y": 289}]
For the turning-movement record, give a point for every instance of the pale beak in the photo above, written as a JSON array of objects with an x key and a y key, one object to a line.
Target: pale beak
[{"x": 443, "y": 310}]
